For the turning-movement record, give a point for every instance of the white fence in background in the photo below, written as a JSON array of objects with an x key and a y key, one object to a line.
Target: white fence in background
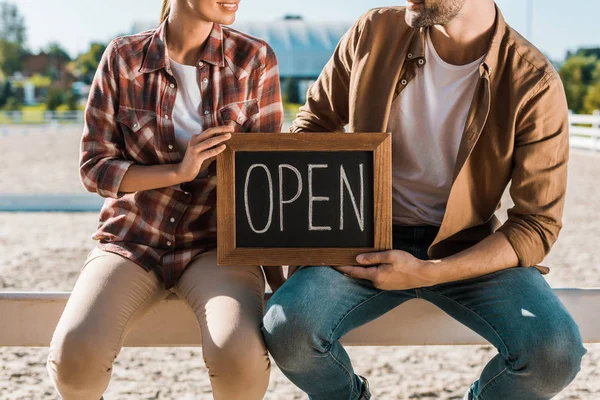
[{"x": 584, "y": 129}]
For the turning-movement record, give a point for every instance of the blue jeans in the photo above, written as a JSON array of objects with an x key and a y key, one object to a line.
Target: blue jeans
[{"x": 539, "y": 345}]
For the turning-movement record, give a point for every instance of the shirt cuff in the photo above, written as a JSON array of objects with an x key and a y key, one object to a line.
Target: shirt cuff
[
  {"x": 526, "y": 244},
  {"x": 111, "y": 177}
]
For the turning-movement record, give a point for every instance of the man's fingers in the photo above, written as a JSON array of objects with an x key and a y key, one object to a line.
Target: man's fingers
[
  {"x": 368, "y": 273},
  {"x": 383, "y": 257}
]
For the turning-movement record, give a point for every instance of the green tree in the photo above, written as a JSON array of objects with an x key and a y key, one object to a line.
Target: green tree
[
  {"x": 12, "y": 25},
  {"x": 6, "y": 92},
  {"x": 57, "y": 56},
  {"x": 591, "y": 102},
  {"x": 577, "y": 74},
  {"x": 11, "y": 58},
  {"x": 55, "y": 98},
  {"x": 86, "y": 64},
  {"x": 12, "y": 38},
  {"x": 57, "y": 51}
]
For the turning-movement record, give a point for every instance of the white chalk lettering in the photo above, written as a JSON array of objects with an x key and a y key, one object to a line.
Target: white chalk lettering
[
  {"x": 312, "y": 199},
  {"x": 360, "y": 215},
  {"x": 281, "y": 200},
  {"x": 270, "y": 198}
]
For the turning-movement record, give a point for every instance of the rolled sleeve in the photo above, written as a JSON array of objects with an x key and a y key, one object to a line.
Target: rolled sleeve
[
  {"x": 110, "y": 176},
  {"x": 539, "y": 177},
  {"x": 103, "y": 163}
]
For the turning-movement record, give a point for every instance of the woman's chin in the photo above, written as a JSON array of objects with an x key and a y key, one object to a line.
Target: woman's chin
[{"x": 226, "y": 20}]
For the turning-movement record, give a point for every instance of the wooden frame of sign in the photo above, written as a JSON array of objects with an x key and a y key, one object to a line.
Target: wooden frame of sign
[{"x": 229, "y": 253}]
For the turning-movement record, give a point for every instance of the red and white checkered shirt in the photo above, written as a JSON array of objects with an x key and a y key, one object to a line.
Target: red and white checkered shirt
[{"x": 128, "y": 120}]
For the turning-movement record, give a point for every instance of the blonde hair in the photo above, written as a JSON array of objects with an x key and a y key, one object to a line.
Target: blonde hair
[{"x": 165, "y": 10}]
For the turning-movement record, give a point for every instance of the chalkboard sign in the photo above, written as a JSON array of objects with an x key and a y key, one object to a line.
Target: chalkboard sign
[{"x": 296, "y": 199}]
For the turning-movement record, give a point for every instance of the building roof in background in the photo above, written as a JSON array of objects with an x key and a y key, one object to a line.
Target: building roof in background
[{"x": 302, "y": 48}]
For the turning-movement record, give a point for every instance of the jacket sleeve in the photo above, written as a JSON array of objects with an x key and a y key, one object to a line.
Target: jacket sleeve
[
  {"x": 327, "y": 104},
  {"x": 539, "y": 176},
  {"x": 102, "y": 164}
]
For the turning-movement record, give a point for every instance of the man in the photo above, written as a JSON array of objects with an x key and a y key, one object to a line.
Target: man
[{"x": 470, "y": 105}]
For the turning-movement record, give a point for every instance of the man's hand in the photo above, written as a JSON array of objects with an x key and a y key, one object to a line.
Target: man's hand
[{"x": 393, "y": 270}]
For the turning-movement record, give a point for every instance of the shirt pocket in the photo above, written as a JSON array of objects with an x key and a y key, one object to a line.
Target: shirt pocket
[
  {"x": 239, "y": 114},
  {"x": 138, "y": 127}
]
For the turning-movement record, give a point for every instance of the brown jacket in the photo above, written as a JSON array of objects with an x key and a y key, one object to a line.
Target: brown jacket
[{"x": 517, "y": 128}]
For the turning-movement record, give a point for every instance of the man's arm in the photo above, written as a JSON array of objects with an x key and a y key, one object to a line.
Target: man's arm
[
  {"x": 398, "y": 270},
  {"x": 538, "y": 190},
  {"x": 327, "y": 103}
]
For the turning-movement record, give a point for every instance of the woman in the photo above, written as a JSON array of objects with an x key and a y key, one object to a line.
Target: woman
[{"x": 162, "y": 106}]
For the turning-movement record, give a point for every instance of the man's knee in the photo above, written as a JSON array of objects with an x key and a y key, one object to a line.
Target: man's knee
[
  {"x": 292, "y": 333},
  {"x": 554, "y": 357}
]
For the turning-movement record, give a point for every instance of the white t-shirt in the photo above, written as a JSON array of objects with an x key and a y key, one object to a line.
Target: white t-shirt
[
  {"x": 427, "y": 121},
  {"x": 187, "y": 118}
]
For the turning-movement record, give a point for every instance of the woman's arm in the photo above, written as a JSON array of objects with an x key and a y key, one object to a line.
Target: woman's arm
[
  {"x": 270, "y": 115},
  {"x": 201, "y": 149},
  {"x": 103, "y": 166},
  {"x": 101, "y": 162}
]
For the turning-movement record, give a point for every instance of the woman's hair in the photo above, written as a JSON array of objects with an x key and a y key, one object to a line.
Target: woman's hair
[{"x": 165, "y": 10}]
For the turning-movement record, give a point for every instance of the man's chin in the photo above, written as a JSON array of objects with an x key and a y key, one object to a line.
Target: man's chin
[{"x": 415, "y": 21}]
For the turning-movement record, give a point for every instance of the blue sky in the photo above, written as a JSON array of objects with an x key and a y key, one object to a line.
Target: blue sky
[{"x": 557, "y": 25}]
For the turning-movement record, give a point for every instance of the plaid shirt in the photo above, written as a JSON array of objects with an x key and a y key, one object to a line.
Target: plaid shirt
[{"x": 128, "y": 120}]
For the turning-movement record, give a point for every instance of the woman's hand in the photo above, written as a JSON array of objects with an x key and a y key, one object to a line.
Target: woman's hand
[{"x": 201, "y": 151}]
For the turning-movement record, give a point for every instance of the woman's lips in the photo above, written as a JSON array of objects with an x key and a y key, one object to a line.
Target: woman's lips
[{"x": 231, "y": 7}]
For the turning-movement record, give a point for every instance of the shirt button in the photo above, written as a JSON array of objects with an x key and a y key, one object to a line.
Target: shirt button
[
  {"x": 135, "y": 126},
  {"x": 240, "y": 118},
  {"x": 409, "y": 55},
  {"x": 206, "y": 112},
  {"x": 172, "y": 219},
  {"x": 200, "y": 64},
  {"x": 169, "y": 243},
  {"x": 421, "y": 61},
  {"x": 205, "y": 81},
  {"x": 166, "y": 117},
  {"x": 403, "y": 82},
  {"x": 172, "y": 86},
  {"x": 186, "y": 192},
  {"x": 170, "y": 147}
]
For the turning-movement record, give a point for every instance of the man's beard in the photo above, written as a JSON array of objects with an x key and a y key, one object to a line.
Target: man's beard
[{"x": 435, "y": 14}]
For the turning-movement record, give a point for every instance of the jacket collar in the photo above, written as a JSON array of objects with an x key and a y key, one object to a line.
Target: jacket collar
[{"x": 490, "y": 60}]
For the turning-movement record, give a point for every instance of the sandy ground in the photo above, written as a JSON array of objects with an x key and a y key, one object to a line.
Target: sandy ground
[{"x": 45, "y": 251}]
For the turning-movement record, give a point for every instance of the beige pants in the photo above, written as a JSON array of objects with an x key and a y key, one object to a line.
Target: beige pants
[{"x": 113, "y": 292}]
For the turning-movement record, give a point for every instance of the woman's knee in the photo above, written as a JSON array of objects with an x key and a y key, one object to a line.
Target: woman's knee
[
  {"x": 237, "y": 363},
  {"x": 78, "y": 361}
]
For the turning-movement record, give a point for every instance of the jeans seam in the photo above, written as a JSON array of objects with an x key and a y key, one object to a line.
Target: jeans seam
[
  {"x": 479, "y": 316},
  {"x": 350, "y": 375},
  {"x": 492, "y": 380},
  {"x": 335, "y": 329},
  {"x": 350, "y": 311}
]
